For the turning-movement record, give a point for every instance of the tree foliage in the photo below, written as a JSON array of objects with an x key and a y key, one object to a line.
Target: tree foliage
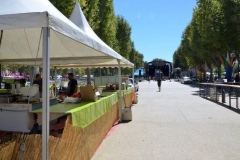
[
  {"x": 213, "y": 32},
  {"x": 65, "y": 6},
  {"x": 158, "y": 59},
  {"x": 123, "y": 36},
  {"x": 91, "y": 12},
  {"x": 108, "y": 24}
]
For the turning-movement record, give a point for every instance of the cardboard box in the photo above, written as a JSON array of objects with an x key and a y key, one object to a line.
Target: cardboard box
[
  {"x": 124, "y": 79},
  {"x": 123, "y": 86},
  {"x": 88, "y": 93}
]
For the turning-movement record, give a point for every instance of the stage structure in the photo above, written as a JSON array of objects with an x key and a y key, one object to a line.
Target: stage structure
[{"x": 159, "y": 69}]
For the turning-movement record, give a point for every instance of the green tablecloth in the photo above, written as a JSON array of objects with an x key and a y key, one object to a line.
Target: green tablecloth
[
  {"x": 84, "y": 113},
  {"x": 8, "y": 80},
  {"x": 128, "y": 91}
]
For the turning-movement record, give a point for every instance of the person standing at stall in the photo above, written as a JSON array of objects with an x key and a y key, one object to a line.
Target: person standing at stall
[
  {"x": 159, "y": 82},
  {"x": 38, "y": 81},
  {"x": 72, "y": 85}
]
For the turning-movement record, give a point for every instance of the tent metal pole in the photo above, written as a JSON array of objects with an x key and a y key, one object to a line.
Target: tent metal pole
[
  {"x": 55, "y": 89},
  {"x": 88, "y": 76},
  {"x": 133, "y": 74},
  {"x": 74, "y": 73},
  {"x": 31, "y": 75},
  {"x": 133, "y": 82},
  {"x": 45, "y": 92},
  {"x": 120, "y": 90},
  {"x": 1, "y": 76}
]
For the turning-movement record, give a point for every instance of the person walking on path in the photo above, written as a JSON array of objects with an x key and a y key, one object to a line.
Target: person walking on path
[
  {"x": 149, "y": 79},
  {"x": 159, "y": 81}
]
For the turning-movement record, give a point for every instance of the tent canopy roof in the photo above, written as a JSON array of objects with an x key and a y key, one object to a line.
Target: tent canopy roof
[{"x": 21, "y": 23}]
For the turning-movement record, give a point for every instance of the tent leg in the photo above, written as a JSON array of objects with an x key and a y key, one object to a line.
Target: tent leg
[
  {"x": 1, "y": 76},
  {"x": 55, "y": 89},
  {"x": 133, "y": 82},
  {"x": 31, "y": 75},
  {"x": 120, "y": 90},
  {"x": 45, "y": 92},
  {"x": 88, "y": 76},
  {"x": 133, "y": 75}
]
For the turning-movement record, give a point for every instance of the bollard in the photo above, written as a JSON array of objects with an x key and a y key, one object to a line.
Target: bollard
[{"x": 223, "y": 96}]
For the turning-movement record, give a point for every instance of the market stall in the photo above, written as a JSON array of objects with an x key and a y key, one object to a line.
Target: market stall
[
  {"x": 87, "y": 124},
  {"x": 24, "y": 25}
]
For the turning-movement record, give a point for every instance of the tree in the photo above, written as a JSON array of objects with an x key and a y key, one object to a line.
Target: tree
[
  {"x": 91, "y": 12},
  {"x": 108, "y": 24},
  {"x": 179, "y": 60},
  {"x": 123, "y": 36},
  {"x": 203, "y": 39},
  {"x": 131, "y": 54},
  {"x": 64, "y": 6},
  {"x": 158, "y": 59}
]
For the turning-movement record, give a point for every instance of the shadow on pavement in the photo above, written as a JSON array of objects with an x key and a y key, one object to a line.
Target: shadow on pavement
[
  {"x": 124, "y": 122},
  {"x": 196, "y": 93},
  {"x": 224, "y": 105},
  {"x": 193, "y": 85}
]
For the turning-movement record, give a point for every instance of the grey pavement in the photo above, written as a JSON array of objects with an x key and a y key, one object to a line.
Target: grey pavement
[{"x": 174, "y": 123}]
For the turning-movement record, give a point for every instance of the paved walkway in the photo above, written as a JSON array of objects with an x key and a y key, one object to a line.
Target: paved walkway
[{"x": 174, "y": 124}]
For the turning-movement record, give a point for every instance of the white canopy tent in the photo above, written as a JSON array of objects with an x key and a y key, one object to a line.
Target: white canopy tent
[
  {"x": 25, "y": 24},
  {"x": 21, "y": 24},
  {"x": 78, "y": 18}
]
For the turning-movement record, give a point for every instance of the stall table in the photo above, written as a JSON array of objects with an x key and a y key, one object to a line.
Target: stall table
[{"x": 86, "y": 126}]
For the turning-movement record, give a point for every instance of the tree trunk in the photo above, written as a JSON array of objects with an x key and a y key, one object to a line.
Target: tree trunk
[
  {"x": 106, "y": 70},
  {"x": 204, "y": 75},
  {"x": 211, "y": 75},
  {"x": 99, "y": 72},
  {"x": 219, "y": 71},
  {"x": 237, "y": 66}
]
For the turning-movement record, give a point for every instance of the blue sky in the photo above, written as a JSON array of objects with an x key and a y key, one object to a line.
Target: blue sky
[{"x": 157, "y": 25}]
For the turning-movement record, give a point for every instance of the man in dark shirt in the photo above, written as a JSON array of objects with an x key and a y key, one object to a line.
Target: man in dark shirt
[
  {"x": 72, "y": 85},
  {"x": 38, "y": 80},
  {"x": 159, "y": 81}
]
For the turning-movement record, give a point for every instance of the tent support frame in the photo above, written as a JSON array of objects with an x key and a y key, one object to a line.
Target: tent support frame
[
  {"x": 133, "y": 82},
  {"x": 55, "y": 88},
  {"x": 45, "y": 92},
  {"x": 120, "y": 90}
]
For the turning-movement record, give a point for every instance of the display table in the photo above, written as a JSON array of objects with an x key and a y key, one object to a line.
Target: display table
[
  {"x": 85, "y": 128},
  {"x": 16, "y": 117},
  {"x": 84, "y": 113}
]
